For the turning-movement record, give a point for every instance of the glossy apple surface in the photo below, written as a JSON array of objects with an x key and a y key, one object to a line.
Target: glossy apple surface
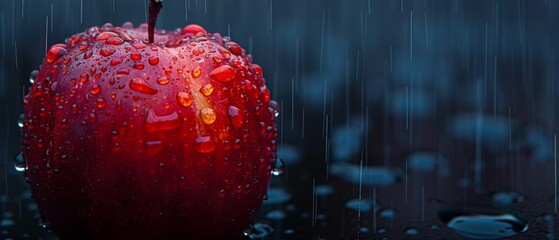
[{"x": 126, "y": 139}]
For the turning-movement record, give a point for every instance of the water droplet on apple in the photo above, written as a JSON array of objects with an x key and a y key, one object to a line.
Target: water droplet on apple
[
  {"x": 121, "y": 72},
  {"x": 105, "y": 35},
  {"x": 114, "y": 41},
  {"x": 140, "y": 85},
  {"x": 155, "y": 123},
  {"x": 74, "y": 108},
  {"x": 276, "y": 107},
  {"x": 93, "y": 31},
  {"x": 107, "y": 26},
  {"x": 279, "y": 167},
  {"x": 257, "y": 69},
  {"x": 92, "y": 118},
  {"x": 118, "y": 106},
  {"x": 101, "y": 103},
  {"x": 223, "y": 74},
  {"x": 87, "y": 54},
  {"x": 196, "y": 72},
  {"x": 20, "y": 120},
  {"x": 164, "y": 80},
  {"x": 198, "y": 50},
  {"x": 138, "y": 44},
  {"x": 153, "y": 60},
  {"x": 84, "y": 77},
  {"x": 19, "y": 162},
  {"x": 33, "y": 76},
  {"x": 95, "y": 89},
  {"x": 221, "y": 193},
  {"x": 127, "y": 25},
  {"x": 135, "y": 56},
  {"x": 236, "y": 116},
  {"x": 258, "y": 231},
  {"x": 55, "y": 52},
  {"x": 115, "y": 62},
  {"x": 193, "y": 29},
  {"x": 204, "y": 144},
  {"x": 153, "y": 147},
  {"x": 106, "y": 51},
  {"x": 234, "y": 48},
  {"x": 207, "y": 89},
  {"x": 138, "y": 66},
  {"x": 208, "y": 115},
  {"x": 184, "y": 99}
]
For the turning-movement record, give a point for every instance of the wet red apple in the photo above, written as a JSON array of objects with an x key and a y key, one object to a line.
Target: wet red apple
[{"x": 126, "y": 138}]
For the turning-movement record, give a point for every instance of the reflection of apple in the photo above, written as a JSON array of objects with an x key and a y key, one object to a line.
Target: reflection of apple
[{"x": 130, "y": 139}]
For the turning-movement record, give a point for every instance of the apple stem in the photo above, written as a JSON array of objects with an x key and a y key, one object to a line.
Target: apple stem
[{"x": 154, "y": 8}]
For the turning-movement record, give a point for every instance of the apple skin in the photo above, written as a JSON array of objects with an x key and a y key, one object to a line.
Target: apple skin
[{"x": 125, "y": 139}]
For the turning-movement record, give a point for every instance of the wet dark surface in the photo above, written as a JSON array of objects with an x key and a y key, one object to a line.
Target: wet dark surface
[{"x": 400, "y": 119}]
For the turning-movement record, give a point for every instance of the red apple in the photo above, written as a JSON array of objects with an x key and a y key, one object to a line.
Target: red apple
[{"x": 127, "y": 139}]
